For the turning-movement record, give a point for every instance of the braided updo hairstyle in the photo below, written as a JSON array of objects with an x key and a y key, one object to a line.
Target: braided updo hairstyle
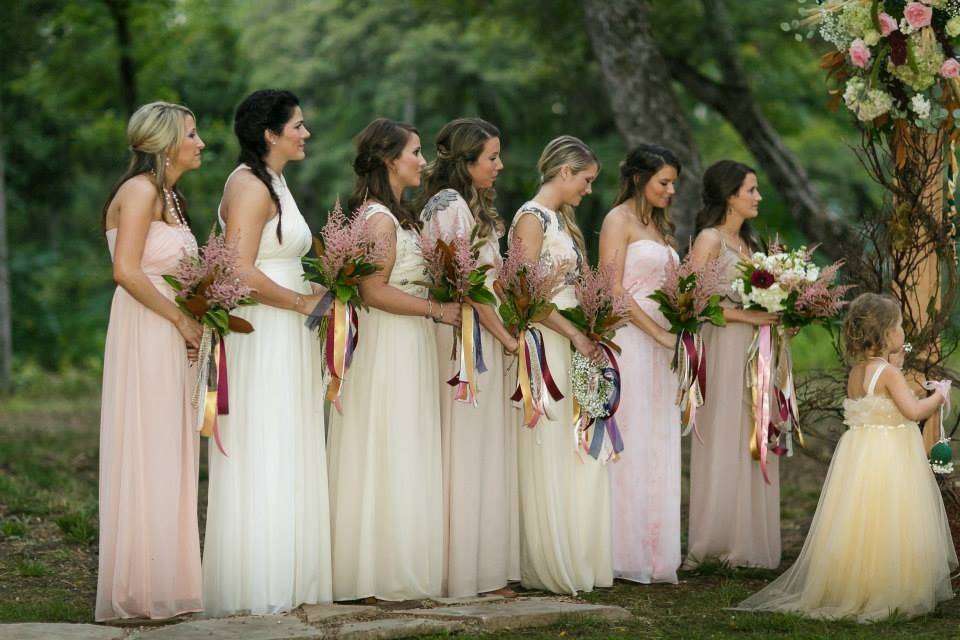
[
  {"x": 261, "y": 110},
  {"x": 459, "y": 144},
  {"x": 636, "y": 170},
  {"x": 722, "y": 180},
  {"x": 381, "y": 141},
  {"x": 870, "y": 317}
]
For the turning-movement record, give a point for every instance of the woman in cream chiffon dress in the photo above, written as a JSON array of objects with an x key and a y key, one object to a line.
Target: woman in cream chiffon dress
[
  {"x": 386, "y": 483},
  {"x": 479, "y": 442},
  {"x": 564, "y": 494}
]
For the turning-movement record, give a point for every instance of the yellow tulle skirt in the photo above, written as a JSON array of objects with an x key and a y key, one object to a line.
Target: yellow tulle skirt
[{"x": 879, "y": 542}]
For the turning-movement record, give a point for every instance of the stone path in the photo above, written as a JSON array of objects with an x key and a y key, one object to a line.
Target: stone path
[{"x": 344, "y": 622}]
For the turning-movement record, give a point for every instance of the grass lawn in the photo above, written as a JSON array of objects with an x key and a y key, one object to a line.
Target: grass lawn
[{"x": 48, "y": 494}]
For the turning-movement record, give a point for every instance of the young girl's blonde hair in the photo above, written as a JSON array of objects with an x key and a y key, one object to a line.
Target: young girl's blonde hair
[
  {"x": 870, "y": 317},
  {"x": 574, "y": 153}
]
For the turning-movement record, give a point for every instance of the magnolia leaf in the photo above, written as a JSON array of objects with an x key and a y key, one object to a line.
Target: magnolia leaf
[
  {"x": 197, "y": 305},
  {"x": 482, "y": 295},
  {"x": 173, "y": 282},
  {"x": 239, "y": 325}
]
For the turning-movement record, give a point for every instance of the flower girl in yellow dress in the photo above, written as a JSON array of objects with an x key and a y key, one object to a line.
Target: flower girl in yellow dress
[{"x": 879, "y": 542}]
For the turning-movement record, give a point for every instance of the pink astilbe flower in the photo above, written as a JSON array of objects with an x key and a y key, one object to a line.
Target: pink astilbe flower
[
  {"x": 190, "y": 271},
  {"x": 605, "y": 312},
  {"x": 346, "y": 241},
  {"x": 448, "y": 265},
  {"x": 526, "y": 287},
  {"x": 228, "y": 292},
  {"x": 689, "y": 295},
  {"x": 821, "y": 298}
]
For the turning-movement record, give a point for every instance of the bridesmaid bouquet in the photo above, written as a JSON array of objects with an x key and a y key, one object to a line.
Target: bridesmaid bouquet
[
  {"x": 596, "y": 388},
  {"x": 454, "y": 274},
  {"x": 208, "y": 288},
  {"x": 688, "y": 297},
  {"x": 347, "y": 251},
  {"x": 791, "y": 284},
  {"x": 525, "y": 290}
]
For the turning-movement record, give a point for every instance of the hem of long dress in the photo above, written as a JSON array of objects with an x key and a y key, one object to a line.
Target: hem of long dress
[
  {"x": 646, "y": 579},
  {"x": 480, "y": 590},
  {"x": 422, "y": 596},
  {"x": 149, "y": 617},
  {"x": 690, "y": 563}
]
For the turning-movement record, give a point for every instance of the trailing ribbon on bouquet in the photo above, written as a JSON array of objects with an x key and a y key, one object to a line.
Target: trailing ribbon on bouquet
[
  {"x": 468, "y": 351},
  {"x": 535, "y": 384},
  {"x": 787, "y": 418},
  {"x": 759, "y": 374},
  {"x": 612, "y": 445},
  {"x": 340, "y": 342},
  {"x": 210, "y": 393},
  {"x": 690, "y": 364}
]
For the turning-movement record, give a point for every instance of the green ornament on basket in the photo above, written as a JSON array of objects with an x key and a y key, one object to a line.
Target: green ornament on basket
[{"x": 941, "y": 457}]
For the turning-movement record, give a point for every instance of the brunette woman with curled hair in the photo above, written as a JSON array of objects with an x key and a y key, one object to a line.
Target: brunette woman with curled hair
[
  {"x": 734, "y": 513},
  {"x": 479, "y": 442},
  {"x": 267, "y": 546},
  {"x": 386, "y": 492},
  {"x": 636, "y": 244},
  {"x": 149, "y": 559}
]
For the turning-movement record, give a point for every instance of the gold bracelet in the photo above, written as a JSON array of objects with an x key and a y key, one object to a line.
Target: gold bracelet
[
  {"x": 430, "y": 308},
  {"x": 298, "y": 303}
]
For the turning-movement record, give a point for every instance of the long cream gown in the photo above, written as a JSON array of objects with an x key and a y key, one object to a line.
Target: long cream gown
[
  {"x": 386, "y": 483},
  {"x": 479, "y": 443},
  {"x": 564, "y": 497}
]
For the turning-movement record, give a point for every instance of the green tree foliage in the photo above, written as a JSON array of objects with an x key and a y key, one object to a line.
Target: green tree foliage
[{"x": 526, "y": 66}]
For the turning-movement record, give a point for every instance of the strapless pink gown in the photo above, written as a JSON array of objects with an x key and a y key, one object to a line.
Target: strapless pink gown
[
  {"x": 645, "y": 481},
  {"x": 149, "y": 453}
]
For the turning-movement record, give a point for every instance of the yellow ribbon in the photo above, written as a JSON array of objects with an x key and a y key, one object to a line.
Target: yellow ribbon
[
  {"x": 523, "y": 378},
  {"x": 210, "y": 399},
  {"x": 467, "y": 351},
  {"x": 340, "y": 320}
]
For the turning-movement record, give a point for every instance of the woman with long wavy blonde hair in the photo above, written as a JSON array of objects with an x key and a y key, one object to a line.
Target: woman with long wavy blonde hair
[
  {"x": 564, "y": 498},
  {"x": 479, "y": 457}
]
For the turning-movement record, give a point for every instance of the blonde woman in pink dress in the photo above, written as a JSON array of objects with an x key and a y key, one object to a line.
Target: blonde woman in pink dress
[
  {"x": 149, "y": 561},
  {"x": 635, "y": 243}
]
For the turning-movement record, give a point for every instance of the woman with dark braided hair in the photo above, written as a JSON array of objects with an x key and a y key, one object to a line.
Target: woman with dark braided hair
[
  {"x": 267, "y": 546},
  {"x": 636, "y": 244},
  {"x": 734, "y": 513},
  {"x": 479, "y": 441}
]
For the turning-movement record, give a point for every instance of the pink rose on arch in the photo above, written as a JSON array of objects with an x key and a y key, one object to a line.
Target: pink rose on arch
[
  {"x": 950, "y": 68},
  {"x": 887, "y": 24},
  {"x": 859, "y": 53},
  {"x": 918, "y": 15}
]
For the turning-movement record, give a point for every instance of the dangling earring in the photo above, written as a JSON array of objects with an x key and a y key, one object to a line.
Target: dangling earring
[{"x": 167, "y": 162}]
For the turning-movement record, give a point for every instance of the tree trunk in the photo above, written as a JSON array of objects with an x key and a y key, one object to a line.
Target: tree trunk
[
  {"x": 644, "y": 104},
  {"x": 6, "y": 336},
  {"x": 120, "y": 11},
  {"x": 734, "y": 100}
]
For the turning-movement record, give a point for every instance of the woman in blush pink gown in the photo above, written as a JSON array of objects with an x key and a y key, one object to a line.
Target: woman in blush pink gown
[
  {"x": 635, "y": 243},
  {"x": 149, "y": 451}
]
